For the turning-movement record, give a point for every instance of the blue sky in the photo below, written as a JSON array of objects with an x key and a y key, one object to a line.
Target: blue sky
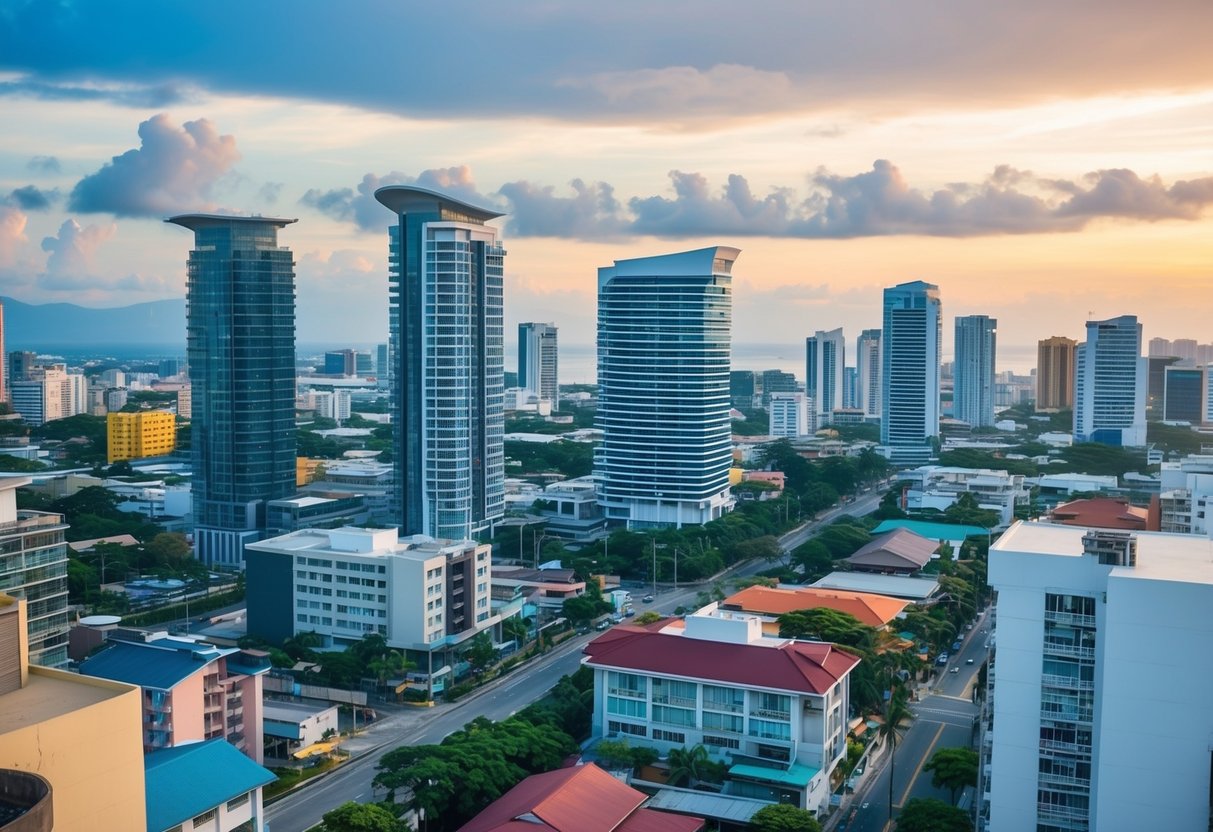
[{"x": 1040, "y": 161}]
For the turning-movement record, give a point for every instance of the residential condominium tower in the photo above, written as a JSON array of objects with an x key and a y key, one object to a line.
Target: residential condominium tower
[
  {"x": 973, "y": 385},
  {"x": 867, "y": 364},
  {"x": 663, "y": 388},
  {"x": 910, "y": 360},
  {"x": 240, "y": 345},
  {"x": 448, "y": 378},
  {"x": 538, "y": 368},
  {"x": 825, "y": 360},
  {"x": 1055, "y": 374},
  {"x": 1111, "y": 384}
]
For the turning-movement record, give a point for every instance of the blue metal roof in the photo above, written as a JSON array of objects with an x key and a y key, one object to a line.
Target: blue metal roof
[
  {"x": 160, "y": 664},
  {"x": 935, "y": 531},
  {"x": 183, "y": 782}
]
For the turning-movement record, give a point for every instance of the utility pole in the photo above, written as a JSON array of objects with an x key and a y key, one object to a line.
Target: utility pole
[
  {"x": 675, "y": 568},
  {"x": 654, "y": 542}
]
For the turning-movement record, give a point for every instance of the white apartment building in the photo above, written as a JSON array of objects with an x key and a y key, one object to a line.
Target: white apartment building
[
  {"x": 1186, "y": 497},
  {"x": 973, "y": 370},
  {"x": 49, "y": 393},
  {"x": 1097, "y": 715},
  {"x": 937, "y": 486},
  {"x": 792, "y": 415},
  {"x": 775, "y": 710},
  {"x": 1111, "y": 379},
  {"x": 825, "y": 361},
  {"x": 424, "y": 596},
  {"x": 867, "y": 368}
]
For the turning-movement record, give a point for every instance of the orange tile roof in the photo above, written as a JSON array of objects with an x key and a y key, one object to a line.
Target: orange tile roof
[{"x": 867, "y": 608}]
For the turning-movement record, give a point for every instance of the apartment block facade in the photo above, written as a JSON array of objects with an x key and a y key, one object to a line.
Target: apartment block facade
[
  {"x": 140, "y": 435},
  {"x": 33, "y": 566}
]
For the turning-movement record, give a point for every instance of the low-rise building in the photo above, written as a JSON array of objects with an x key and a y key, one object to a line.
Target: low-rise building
[
  {"x": 898, "y": 552},
  {"x": 792, "y": 415},
  {"x": 775, "y": 710},
  {"x": 1186, "y": 497},
  {"x": 292, "y": 726},
  {"x": 205, "y": 786},
  {"x": 315, "y": 510},
  {"x": 1101, "y": 513},
  {"x": 939, "y": 487},
  {"x": 548, "y": 588},
  {"x": 769, "y": 603},
  {"x": 571, "y": 510},
  {"x": 192, "y": 691},
  {"x": 895, "y": 586}
]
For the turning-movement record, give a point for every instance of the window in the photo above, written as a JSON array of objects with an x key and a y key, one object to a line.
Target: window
[
  {"x": 721, "y": 742},
  {"x": 204, "y": 818},
  {"x": 767, "y": 730},
  {"x": 673, "y": 692},
  {"x": 723, "y": 699},
  {"x": 731, "y": 723},
  {"x": 237, "y": 802},
  {"x": 771, "y": 705},
  {"x": 626, "y": 728},
  {"x": 669, "y": 736},
  {"x": 626, "y": 707},
  {"x": 626, "y": 684},
  {"x": 674, "y": 716}
]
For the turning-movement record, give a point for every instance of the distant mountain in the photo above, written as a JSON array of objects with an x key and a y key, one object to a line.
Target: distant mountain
[{"x": 58, "y": 325}]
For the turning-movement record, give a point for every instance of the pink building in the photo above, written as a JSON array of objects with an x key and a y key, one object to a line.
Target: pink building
[{"x": 192, "y": 691}]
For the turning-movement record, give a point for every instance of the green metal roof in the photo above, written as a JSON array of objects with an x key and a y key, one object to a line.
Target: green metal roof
[
  {"x": 797, "y": 775},
  {"x": 935, "y": 531}
]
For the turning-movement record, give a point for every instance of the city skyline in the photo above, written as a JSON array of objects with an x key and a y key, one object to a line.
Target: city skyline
[{"x": 840, "y": 171}]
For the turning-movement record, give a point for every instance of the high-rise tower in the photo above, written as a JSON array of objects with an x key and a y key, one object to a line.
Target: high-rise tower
[
  {"x": 825, "y": 359},
  {"x": 538, "y": 365},
  {"x": 663, "y": 388},
  {"x": 1111, "y": 382},
  {"x": 448, "y": 378},
  {"x": 240, "y": 345},
  {"x": 867, "y": 365},
  {"x": 976, "y": 344},
  {"x": 911, "y": 352},
  {"x": 1055, "y": 374}
]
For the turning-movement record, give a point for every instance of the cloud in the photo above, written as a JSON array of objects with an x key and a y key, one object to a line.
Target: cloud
[
  {"x": 32, "y": 198},
  {"x": 877, "y": 202},
  {"x": 365, "y": 211},
  {"x": 174, "y": 169},
  {"x": 72, "y": 259},
  {"x": 138, "y": 96},
  {"x": 723, "y": 89},
  {"x": 12, "y": 234},
  {"x": 269, "y": 192},
  {"x": 43, "y": 164}
]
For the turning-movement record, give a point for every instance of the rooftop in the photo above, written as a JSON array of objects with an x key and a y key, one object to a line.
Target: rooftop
[
  {"x": 405, "y": 199},
  {"x": 934, "y": 531},
  {"x": 579, "y": 799},
  {"x": 897, "y": 586},
  {"x": 185, "y": 781},
  {"x": 784, "y": 664},
  {"x": 870, "y": 609},
  {"x": 1103, "y": 512},
  {"x": 53, "y": 693},
  {"x": 349, "y": 540},
  {"x": 196, "y": 221},
  {"x": 292, "y": 711},
  {"x": 898, "y": 549},
  {"x": 160, "y": 663}
]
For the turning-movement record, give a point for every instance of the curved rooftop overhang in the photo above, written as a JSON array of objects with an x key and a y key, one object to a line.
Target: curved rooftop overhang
[
  {"x": 407, "y": 199},
  {"x": 196, "y": 221}
]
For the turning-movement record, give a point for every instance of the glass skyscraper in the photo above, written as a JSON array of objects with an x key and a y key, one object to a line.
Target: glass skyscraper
[
  {"x": 825, "y": 360},
  {"x": 911, "y": 341},
  {"x": 973, "y": 390},
  {"x": 1111, "y": 382},
  {"x": 448, "y": 374},
  {"x": 867, "y": 365},
  {"x": 538, "y": 361},
  {"x": 240, "y": 346},
  {"x": 664, "y": 326}
]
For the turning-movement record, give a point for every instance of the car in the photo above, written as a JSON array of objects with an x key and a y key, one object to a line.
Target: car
[
  {"x": 968, "y": 661},
  {"x": 956, "y": 646},
  {"x": 629, "y": 612},
  {"x": 648, "y": 599},
  {"x": 943, "y": 659},
  {"x": 954, "y": 670}
]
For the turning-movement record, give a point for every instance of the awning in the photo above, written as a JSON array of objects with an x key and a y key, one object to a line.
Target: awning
[
  {"x": 313, "y": 749},
  {"x": 795, "y": 775}
]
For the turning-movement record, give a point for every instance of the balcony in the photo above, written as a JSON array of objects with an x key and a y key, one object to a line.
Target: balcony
[
  {"x": 1080, "y": 715},
  {"x": 1071, "y": 650},
  {"x": 626, "y": 692},
  {"x": 1065, "y": 747},
  {"x": 25, "y": 802},
  {"x": 676, "y": 701},
  {"x": 1067, "y": 682},
  {"x": 1051, "y": 779},
  {"x": 1072, "y": 619},
  {"x": 1048, "y": 811},
  {"x": 763, "y": 713}
]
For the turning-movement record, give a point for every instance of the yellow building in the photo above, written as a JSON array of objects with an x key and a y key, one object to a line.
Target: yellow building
[
  {"x": 307, "y": 469},
  {"x": 81, "y": 735},
  {"x": 139, "y": 435}
]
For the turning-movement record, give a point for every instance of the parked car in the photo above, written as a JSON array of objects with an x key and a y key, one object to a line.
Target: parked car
[
  {"x": 648, "y": 599},
  {"x": 942, "y": 660},
  {"x": 956, "y": 647}
]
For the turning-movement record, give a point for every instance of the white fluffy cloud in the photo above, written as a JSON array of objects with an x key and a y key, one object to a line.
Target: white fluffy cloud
[{"x": 72, "y": 254}]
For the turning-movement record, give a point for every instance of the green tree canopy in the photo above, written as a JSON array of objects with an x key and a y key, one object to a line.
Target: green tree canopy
[
  {"x": 824, "y": 624},
  {"x": 953, "y": 769},
  {"x": 783, "y": 817},
  {"x": 361, "y": 817},
  {"x": 931, "y": 815}
]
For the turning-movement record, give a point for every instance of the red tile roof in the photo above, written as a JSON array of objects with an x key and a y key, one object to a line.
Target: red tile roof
[
  {"x": 869, "y": 609},
  {"x": 800, "y": 666},
  {"x": 581, "y": 799},
  {"x": 1102, "y": 512}
]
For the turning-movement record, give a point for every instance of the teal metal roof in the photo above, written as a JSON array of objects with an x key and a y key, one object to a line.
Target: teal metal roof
[
  {"x": 797, "y": 775},
  {"x": 935, "y": 531},
  {"x": 161, "y": 663},
  {"x": 183, "y": 782}
]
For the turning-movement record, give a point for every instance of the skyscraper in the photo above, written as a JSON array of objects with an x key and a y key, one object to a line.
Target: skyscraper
[
  {"x": 663, "y": 388},
  {"x": 538, "y": 368},
  {"x": 976, "y": 344},
  {"x": 1156, "y": 384},
  {"x": 448, "y": 389},
  {"x": 825, "y": 359},
  {"x": 1111, "y": 384},
  {"x": 34, "y": 567},
  {"x": 910, "y": 356},
  {"x": 1186, "y": 394},
  {"x": 240, "y": 348},
  {"x": 1055, "y": 374},
  {"x": 867, "y": 364},
  {"x": 3, "y": 364}
]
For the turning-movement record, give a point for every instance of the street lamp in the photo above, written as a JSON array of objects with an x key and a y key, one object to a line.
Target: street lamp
[{"x": 538, "y": 544}]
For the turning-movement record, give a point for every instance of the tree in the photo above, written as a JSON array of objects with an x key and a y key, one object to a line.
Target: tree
[
  {"x": 783, "y": 817},
  {"x": 953, "y": 769},
  {"x": 361, "y": 817},
  {"x": 168, "y": 548},
  {"x": 895, "y": 713},
  {"x": 649, "y": 617},
  {"x": 480, "y": 652},
  {"x": 931, "y": 815},
  {"x": 825, "y": 624},
  {"x": 688, "y": 766}
]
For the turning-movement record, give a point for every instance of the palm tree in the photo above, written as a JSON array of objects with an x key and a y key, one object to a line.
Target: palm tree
[
  {"x": 895, "y": 713},
  {"x": 687, "y": 765}
]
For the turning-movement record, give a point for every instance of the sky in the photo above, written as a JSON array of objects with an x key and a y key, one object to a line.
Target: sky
[{"x": 1044, "y": 163}]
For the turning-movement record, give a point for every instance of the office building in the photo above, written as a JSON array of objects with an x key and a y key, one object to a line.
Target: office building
[
  {"x": 139, "y": 435},
  {"x": 869, "y": 384},
  {"x": 69, "y": 744},
  {"x": 790, "y": 415},
  {"x": 538, "y": 367},
  {"x": 351, "y": 363},
  {"x": 240, "y": 345},
  {"x": 3, "y": 363},
  {"x": 973, "y": 388},
  {"x": 1186, "y": 496},
  {"x": 777, "y": 381},
  {"x": 911, "y": 345},
  {"x": 170, "y": 367},
  {"x": 424, "y": 596},
  {"x": 1055, "y": 374},
  {"x": 20, "y": 363},
  {"x": 663, "y": 388},
  {"x": 383, "y": 362},
  {"x": 1110, "y": 384},
  {"x": 773, "y": 710},
  {"x": 1156, "y": 384},
  {"x": 1186, "y": 394},
  {"x": 191, "y": 691},
  {"x": 825, "y": 360},
  {"x": 47, "y": 393},
  {"x": 1101, "y": 666},
  {"x": 448, "y": 393},
  {"x": 850, "y": 388},
  {"x": 33, "y": 566},
  {"x": 744, "y": 387}
]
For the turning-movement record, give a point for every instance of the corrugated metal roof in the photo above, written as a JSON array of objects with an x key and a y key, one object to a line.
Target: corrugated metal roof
[
  {"x": 183, "y": 782},
  {"x": 161, "y": 664}
]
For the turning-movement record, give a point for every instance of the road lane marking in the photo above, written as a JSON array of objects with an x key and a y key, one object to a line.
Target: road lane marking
[{"x": 918, "y": 769}]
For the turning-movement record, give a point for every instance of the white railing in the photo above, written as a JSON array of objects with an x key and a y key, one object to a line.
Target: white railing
[
  {"x": 1069, "y": 650},
  {"x": 1070, "y": 682},
  {"x": 1077, "y": 619}
]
